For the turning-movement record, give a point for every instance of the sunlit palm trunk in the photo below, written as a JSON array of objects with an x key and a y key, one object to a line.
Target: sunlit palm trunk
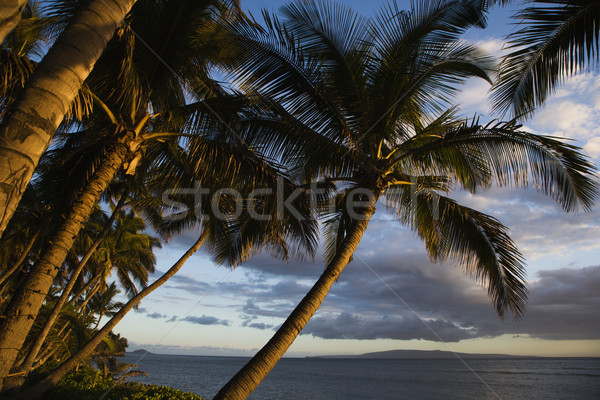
[
  {"x": 10, "y": 15},
  {"x": 19, "y": 262},
  {"x": 41, "y": 387},
  {"x": 41, "y": 337},
  {"x": 26, "y": 303},
  {"x": 252, "y": 374},
  {"x": 36, "y": 114}
]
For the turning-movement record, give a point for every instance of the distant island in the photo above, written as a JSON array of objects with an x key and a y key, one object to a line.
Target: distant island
[
  {"x": 140, "y": 351},
  {"x": 435, "y": 354}
]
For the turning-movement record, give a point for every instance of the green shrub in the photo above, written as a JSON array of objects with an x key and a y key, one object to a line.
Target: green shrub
[{"x": 88, "y": 384}]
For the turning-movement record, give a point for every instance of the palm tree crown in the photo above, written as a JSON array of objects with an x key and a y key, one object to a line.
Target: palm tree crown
[
  {"x": 362, "y": 102},
  {"x": 366, "y": 103}
]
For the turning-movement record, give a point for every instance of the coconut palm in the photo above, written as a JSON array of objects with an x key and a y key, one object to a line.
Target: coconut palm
[
  {"x": 103, "y": 303},
  {"x": 555, "y": 40},
  {"x": 361, "y": 102},
  {"x": 231, "y": 236},
  {"x": 124, "y": 249},
  {"x": 130, "y": 81},
  {"x": 38, "y": 111}
]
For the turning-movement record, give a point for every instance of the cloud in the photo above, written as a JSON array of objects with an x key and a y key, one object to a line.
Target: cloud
[
  {"x": 350, "y": 326},
  {"x": 259, "y": 325},
  {"x": 592, "y": 147},
  {"x": 205, "y": 320},
  {"x": 408, "y": 289},
  {"x": 156, "y": 315}
]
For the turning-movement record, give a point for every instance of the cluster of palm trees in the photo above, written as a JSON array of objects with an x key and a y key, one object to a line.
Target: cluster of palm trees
[{"x": 338, "y": 112}]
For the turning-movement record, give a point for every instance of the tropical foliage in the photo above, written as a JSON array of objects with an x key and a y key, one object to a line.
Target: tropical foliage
[
  {"x": 557, "y": 39},
  {"x": 364, "y": 103},
  {"x": 91, "y": 384}
]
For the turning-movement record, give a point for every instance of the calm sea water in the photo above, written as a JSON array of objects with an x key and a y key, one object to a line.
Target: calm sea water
[{"x": 328, "y": 379}]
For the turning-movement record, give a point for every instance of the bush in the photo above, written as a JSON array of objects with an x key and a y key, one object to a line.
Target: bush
[{"x": 88, "y": 384}]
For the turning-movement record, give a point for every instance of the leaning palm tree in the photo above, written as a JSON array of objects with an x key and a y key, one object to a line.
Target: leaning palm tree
[
  {"x": 556, "y": 40},
  {"x": 230, "y": 233},
  {"x": 26, "y": 132},
  {"x": 133, "y": 87},
  {"x": 361, "y": 103},
  {"x": 125, "y": 250}
]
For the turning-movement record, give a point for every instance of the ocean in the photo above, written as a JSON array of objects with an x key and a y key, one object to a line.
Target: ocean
[{"x": 330, "y": 379}]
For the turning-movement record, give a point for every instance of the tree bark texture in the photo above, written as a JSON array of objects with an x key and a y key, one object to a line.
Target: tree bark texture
[{"x": 28, "y": 129}]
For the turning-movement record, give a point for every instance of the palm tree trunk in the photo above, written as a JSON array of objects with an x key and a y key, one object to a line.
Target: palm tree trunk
[
  {"x": 49, "y": 381},
  {"x": 39, "y": 340},
  {"x": 45, "y": 356},
  {"x": 10, "y": 15},
  {"x": 99, "y": 318},
  {"x": 36, "y": 114},
  {"x": 52, "y": 348},
  {"x": 20, "y": 261},
  {"x": 253, "y": 373},
  {"x": 89, "y": 295},
  {"x": 83, "y": 289},
  {"x": 26, "y": 303}
]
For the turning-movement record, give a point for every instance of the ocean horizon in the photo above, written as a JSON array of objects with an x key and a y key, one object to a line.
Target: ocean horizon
[{"x": 371, "y": 378}]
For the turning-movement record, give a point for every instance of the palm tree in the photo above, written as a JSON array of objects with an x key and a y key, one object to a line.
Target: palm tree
[
  {"x": 130, "y": 254},
  {"x": 361, "y": 103},
  {"x": 38, "y": 111},
  {"x": 103, "y": 303},
  {"x": 230, "y": 240},
  {"x": 130, "y": 81},
  {"x": 556, "y": 40}
]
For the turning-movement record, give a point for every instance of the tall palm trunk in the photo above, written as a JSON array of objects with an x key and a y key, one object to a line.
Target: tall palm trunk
[
  {"x": 20, "y": 261},
  {"x": 36, "y": 114},
  {"x": 253, "y": 373},
  {"x": 39, "y": 340},
  {"x": 10, "y": 15},
  {"x": 41, "y": 387},
  {"x": 99, "y": 318},
  {"x": 90, "y": 294},
  {"x": 26, "y": 303}
]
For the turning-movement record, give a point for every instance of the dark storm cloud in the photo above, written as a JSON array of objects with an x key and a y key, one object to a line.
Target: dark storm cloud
[
  {"x": 348, "y": 326},
  {"x": 562, "y": 304},
  {"x": 205, "y": 320}
]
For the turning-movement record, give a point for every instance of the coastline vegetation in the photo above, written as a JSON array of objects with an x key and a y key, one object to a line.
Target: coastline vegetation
[{"x": 88, "y": 383}]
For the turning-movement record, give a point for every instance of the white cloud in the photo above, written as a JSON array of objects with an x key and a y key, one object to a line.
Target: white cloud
[{"x": 592, "y": 147}]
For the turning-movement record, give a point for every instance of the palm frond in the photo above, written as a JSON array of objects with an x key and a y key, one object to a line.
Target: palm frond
[
  {"x": 511, "y": 157},
  {"x": 478, "y": 242},
  {"x": 557, "y": 40}
]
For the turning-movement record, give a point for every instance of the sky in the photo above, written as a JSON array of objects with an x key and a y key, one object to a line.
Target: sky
[{"x": 392, "y": 296}]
